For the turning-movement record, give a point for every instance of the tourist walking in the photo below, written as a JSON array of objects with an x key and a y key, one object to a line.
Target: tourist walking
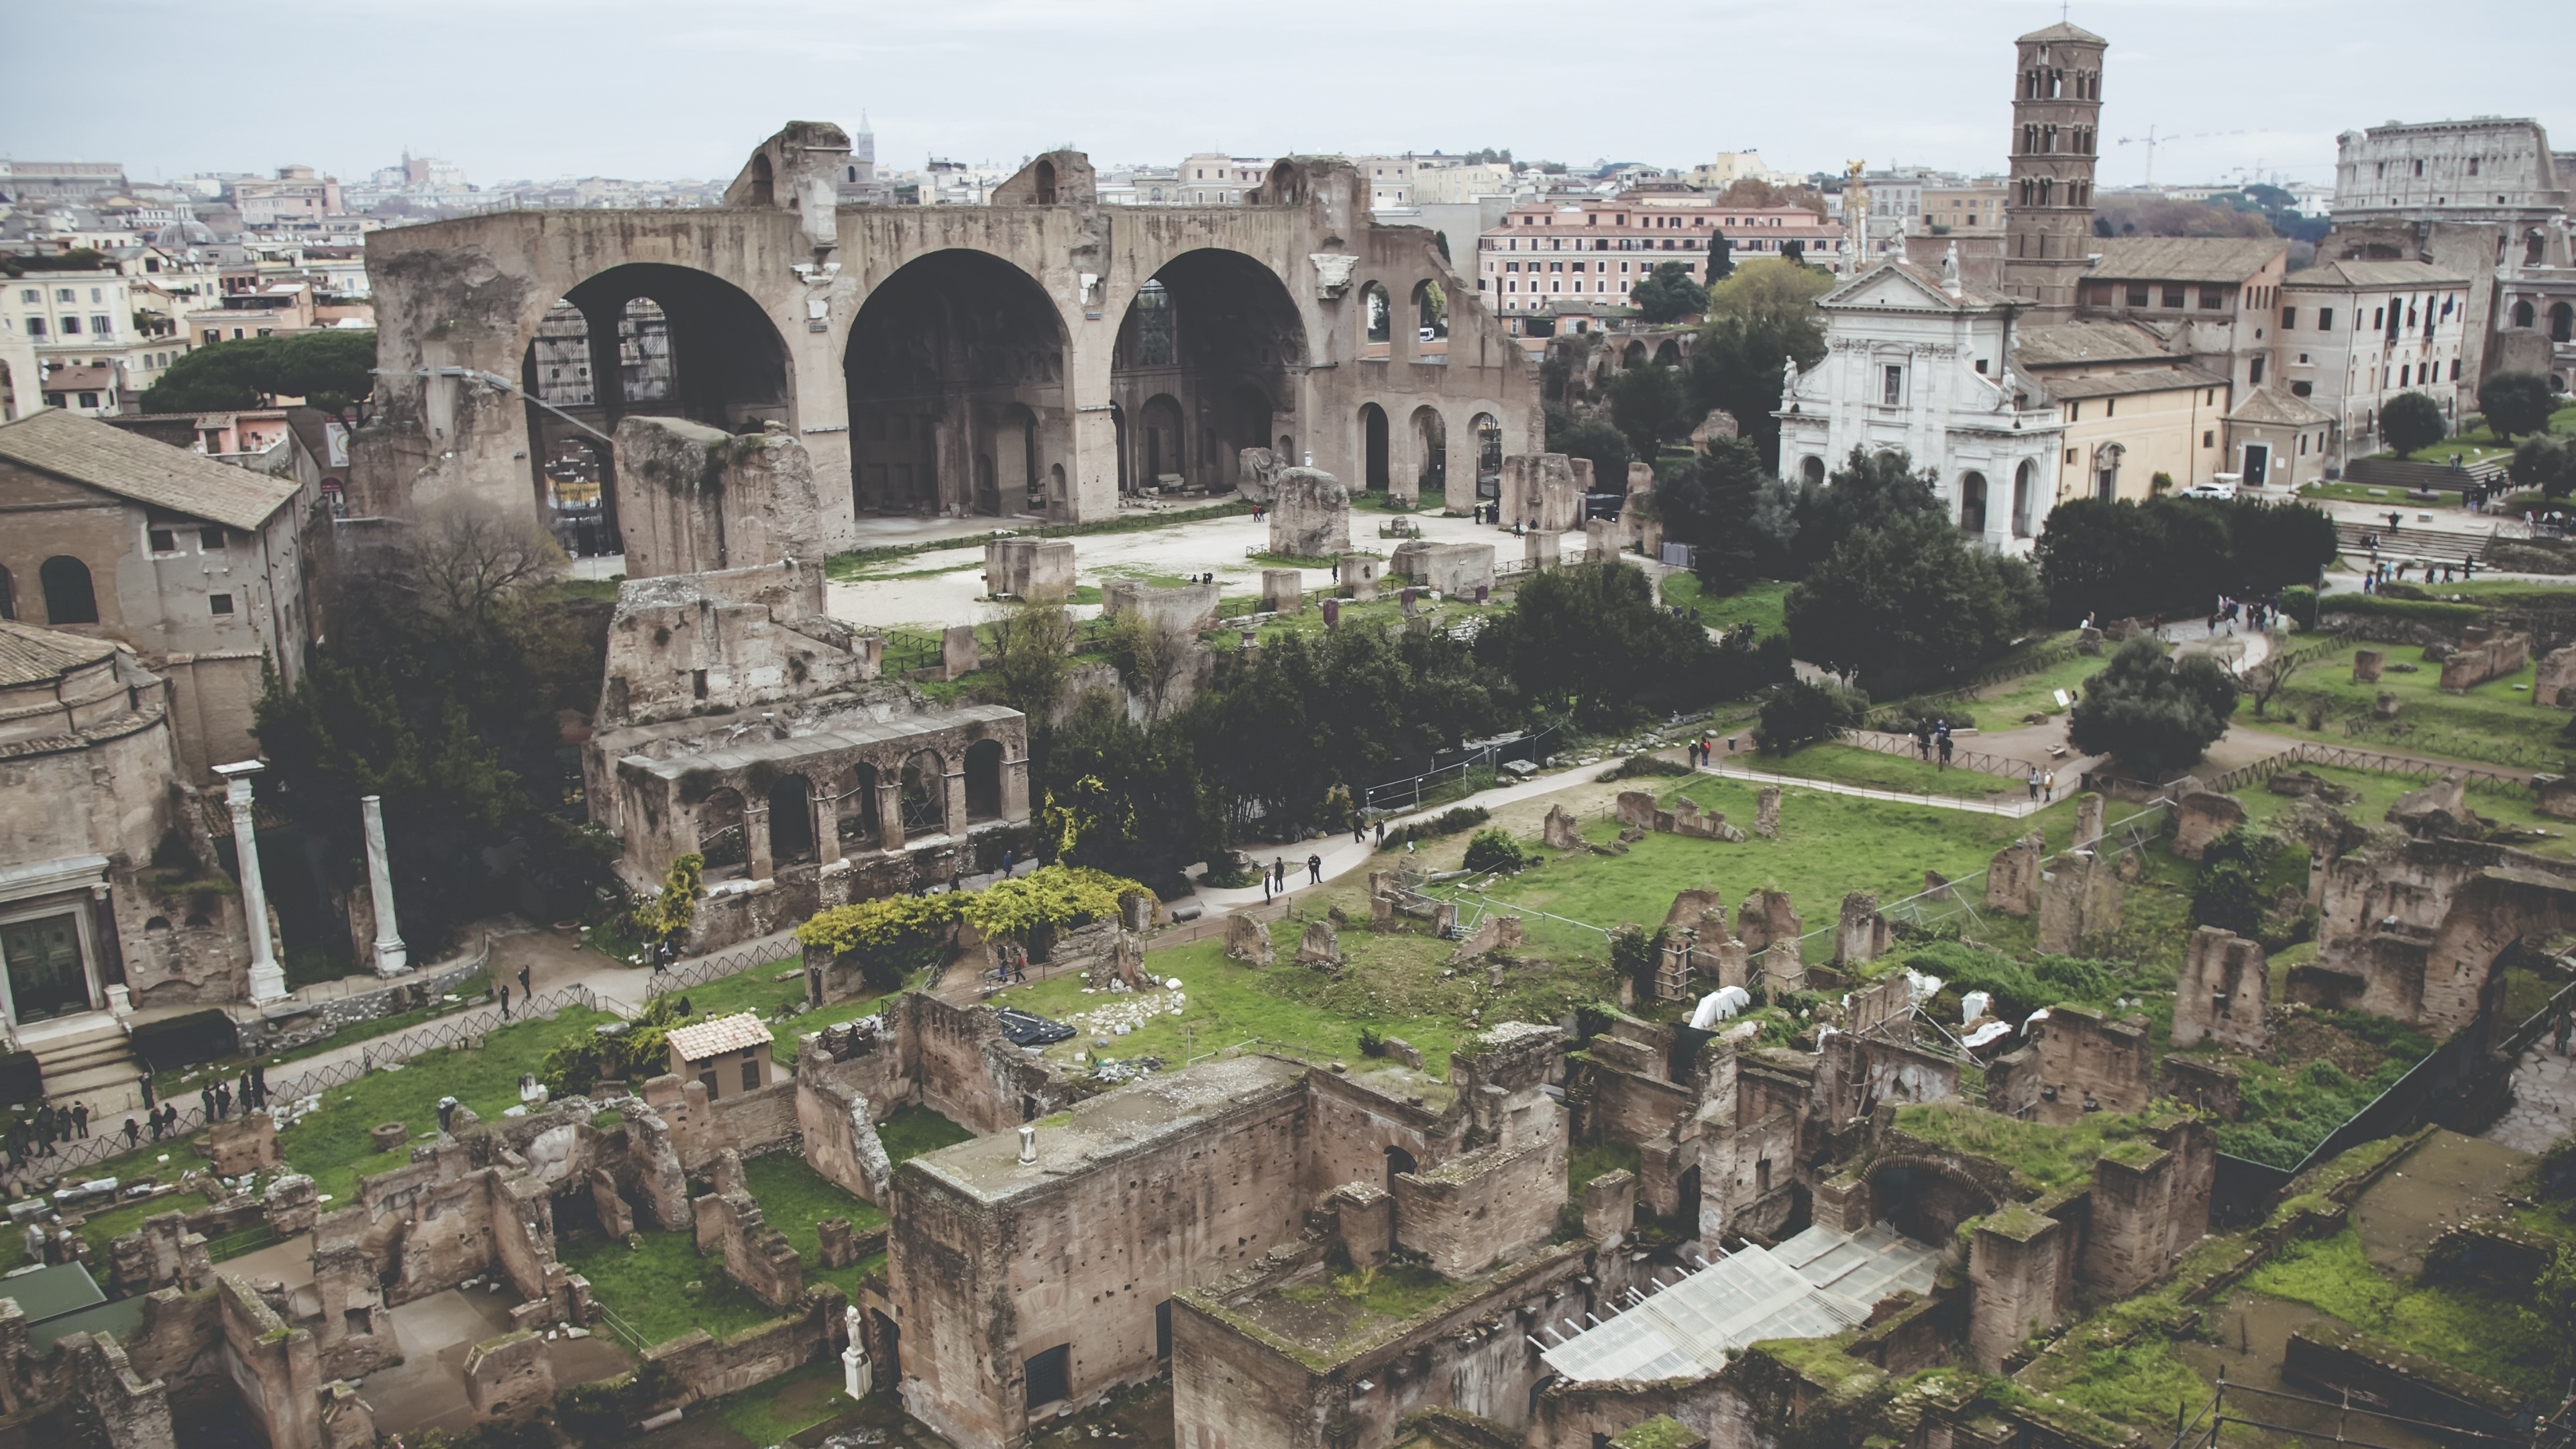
[
  {"x": 503, "y": 992},
  {"x": 525, "y": 989},
  {"x": 133, "y": 1134},
  {"x": 2034, "y": 782},
  {"x": 80, "y": 1119},
  {"x": 1314, "y": 870}
]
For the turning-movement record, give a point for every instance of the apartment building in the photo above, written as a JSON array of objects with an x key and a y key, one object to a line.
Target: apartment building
[
  {"x": 2353, "y": 335},
  {"x": 1212, "y": 178},
  {"x": 1544, "y": 254}
]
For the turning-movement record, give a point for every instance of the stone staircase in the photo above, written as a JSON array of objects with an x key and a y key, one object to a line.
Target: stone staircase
[
  {"x": 2406, "y": 543},
  {"x": 2400, "y": 473},
  {"x": 83, "y": 1059}
]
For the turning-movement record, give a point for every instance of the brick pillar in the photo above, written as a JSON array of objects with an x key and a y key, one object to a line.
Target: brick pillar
[
  {"x": 2015, "y": 1281},
  {"x": 1015, "y": 786},
  {"x": 755, "y": 839},
  {"x": 890, "y": 809},
  {"x": 956, "y": 810},
  {"x": 827, "y": 826}
]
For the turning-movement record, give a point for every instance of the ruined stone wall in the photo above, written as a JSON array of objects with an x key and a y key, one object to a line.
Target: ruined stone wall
[
  {"x": 2018, "y": 1281},
  {"x": 1457, "y": 570},
  {"x": 2224, "y": 992},
  {"x": 700, "y": 643},
  {"x": 795, "y": 275},
  {"x": 694, "y": 499},
  {"x": 706, "y": 1367},
  {"x": 2077, "y": 1061},
  {"x": 2150, "y": 1203},
  {"x": 1082, "y": 1259},
  {"x": 1238, "y": 1390},
  {"x": 1355, "y": 1124},
  {"x": 1483, "y": 1207},
  {"x": 1543, "y": 492},
  {"x": 2413, "y": 931},
  {"x": 1854, "y": 1074}
]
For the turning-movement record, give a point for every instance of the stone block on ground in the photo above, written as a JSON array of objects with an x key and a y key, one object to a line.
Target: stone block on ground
[{"x": 1310, "y": 513}]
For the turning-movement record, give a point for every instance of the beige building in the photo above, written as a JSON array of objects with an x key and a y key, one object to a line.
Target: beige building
[
  {"x": 1212, "y": 178},
  {"x": 2353, "y": 335},
  {"x": 2125, "y": 428},
  {"x": 2210, "y": 298},
  {"x": 196, "y": 566},
  {"x": 728, "y": 1056},
  {"x": 1546, "y": 254},
  {"x": 1973, "y": 210}
]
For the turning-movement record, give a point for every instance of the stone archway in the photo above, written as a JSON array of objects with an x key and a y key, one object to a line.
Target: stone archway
[
  {"x": 1216, "y": 334},
  {"x": 949, "y": 361},
  {"x": 644, "y": 339},
  {"x": 1925, "y": 1199}
]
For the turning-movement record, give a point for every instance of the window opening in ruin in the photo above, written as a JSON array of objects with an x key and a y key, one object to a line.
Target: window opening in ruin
[
  {"x": 1373, "y": 447},
  {"x": 68, "y": 596},
  {"x": 1044, "y": 176},
  {"x": 858, "y": 808},
  {"x": 1431, "y": 446},
  {"x": 720, "y": 837},
  {"x": 1050, "y": 1376},
  {"x": 925, "y": 795},
  {"x": 763, "y": 187},
  {"x": 1430, "y": 312},
  {"x": 791, "y": 821},
  {"x": 1377, "y": 312},
  {"x": 984, "y": 780},
  {"x": 1489, "y": 455},
  {"x": 1163, "y": 1329},
  {"x": 1154, "y": 325},
  {"x": 1398, "y": 1163}
]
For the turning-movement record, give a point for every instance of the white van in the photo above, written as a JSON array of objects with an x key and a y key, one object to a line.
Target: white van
[{"x": 2220, "y": 485}]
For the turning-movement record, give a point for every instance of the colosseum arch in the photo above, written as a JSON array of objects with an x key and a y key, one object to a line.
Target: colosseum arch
[{"x": 947, "y": 363}]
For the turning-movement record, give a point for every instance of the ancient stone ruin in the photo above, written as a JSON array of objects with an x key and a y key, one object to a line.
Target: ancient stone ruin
[
  {"x": 1769, "y": 927},
  {"x": 1637, "y": 808},
  {"x": 1455, "y": 570},
  {"x": 1320, "y": 947},
  {"x": 1561, "y": 831},
  {"x": 2366, "y": 665},
  {"x": 1188, "y": 609},
  {"x": 1766, "y": 812},
  {"x": 1861, "y": 935},
  {"x": 2077, "y": 1061},
  {"x": 2080, "y": 897},
  {"x": 2224, "y": 993},
  {"x": 1282, "y": 591},
  {"x": 2553, "y": 684},
  {"x": 2483, "y": 655},
  {"x": 1310, "y": 514},
  {"x": 2202, "y": 817},
  {"x": 1545, "y": 491},
  {"x": 1039, "y": 570},
  {"x": 2012, "y": 876},
  {"x": 695, "y": 499},
  {"x": 1247, "y": 940}
]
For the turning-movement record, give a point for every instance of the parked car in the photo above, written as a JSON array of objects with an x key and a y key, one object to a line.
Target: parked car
[{"x": 2222, "y": 485}]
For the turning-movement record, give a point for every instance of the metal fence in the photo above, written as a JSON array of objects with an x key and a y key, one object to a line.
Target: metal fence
[
  {"x": 2353, "y": 1424},
  {"x": 2010, "y": 767},
  {"x": 1406, "y": 794},
  {"x": 2482, "y": 778},
  {"x": 906, "y": 651},
  {"x": 466, "y": 1028}
]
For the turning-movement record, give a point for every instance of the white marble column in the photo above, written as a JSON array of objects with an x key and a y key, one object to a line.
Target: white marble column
[
  {"x": 267, "y": 978},
  {"x": 392, "y": 957}
]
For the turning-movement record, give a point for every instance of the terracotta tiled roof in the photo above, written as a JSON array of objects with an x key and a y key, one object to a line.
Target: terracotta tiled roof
[
  {"x": 2373, "y": 274},
  {"x": 738, "y": 1032},
  {"x": 2182, "y": 258},
  {"x": 2268, "y": 405},
  {"x": 29, "y": 655},
  {"x": 110, "y": 459}
]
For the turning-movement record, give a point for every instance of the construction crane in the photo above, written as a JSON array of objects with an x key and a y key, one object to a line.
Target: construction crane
[{"x": 2151, "y": 141}]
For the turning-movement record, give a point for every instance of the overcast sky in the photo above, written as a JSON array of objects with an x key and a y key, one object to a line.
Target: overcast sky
[{"x": 661, "y": 89}]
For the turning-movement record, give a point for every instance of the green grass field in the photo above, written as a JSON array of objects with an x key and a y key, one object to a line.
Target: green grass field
[
  {"x": 2002, "y": 706},
  {"x": 1828, "y": 845},
  {"x": 1852, "y": 765},
  {"x": 2379, "y": 791},
  {"x": 662, "y": 1289},
  {"x": 2495, "y": 722},
  {"x": 1761, "y": 605},
  {"x": 794, "y": 1197}
]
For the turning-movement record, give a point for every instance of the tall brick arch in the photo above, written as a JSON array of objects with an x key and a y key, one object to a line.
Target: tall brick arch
[{"x": 465, "y": 297}]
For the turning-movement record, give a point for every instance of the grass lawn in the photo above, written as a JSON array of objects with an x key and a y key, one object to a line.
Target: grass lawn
[
  {"x": 1761, "y": 605},
  {"x": 2002, "y": 705},
  {"x": 2379, "y": 791},
  {"x": 912, "y": 1131},
  {"x": 1828, "y": 845},
  {"x": 2479, "y": 1332},
  {"x": 1852, "y": 765},
  {"x": 331, "y": 1145},
  {"x": 794, "y": 1197},
  {"x": 788, "y": 1404},
  {"x": 759, "y": 990},
  {"x": 2496, "y": 722},
  {"x": 650, "y": 1287},
  {"x": 2355, "y": 493}
]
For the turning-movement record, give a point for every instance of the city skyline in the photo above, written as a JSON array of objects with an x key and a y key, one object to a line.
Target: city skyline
[{"x": 2268, "y": 102}]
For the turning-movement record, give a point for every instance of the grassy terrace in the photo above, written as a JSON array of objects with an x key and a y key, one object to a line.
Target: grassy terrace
[
  {"x": 2496, "y": 722},
  {"x": 2549, "y": 836},
  {"x": 1868, "y": 769},
  {"x": 2042, "y": 1158},
  {"x": 1762, "y": 605}
]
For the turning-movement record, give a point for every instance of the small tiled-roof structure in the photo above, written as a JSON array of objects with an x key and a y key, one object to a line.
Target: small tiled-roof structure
[
  {"x": 2130, "y": 380},
  {"x": 29, "y": 655},
  {"x": 2076, "y": 344},
  {"x": 112, "y": 460},
  {"x": 707, "y": 1039},
  {"x": 2268, "y": 405}
]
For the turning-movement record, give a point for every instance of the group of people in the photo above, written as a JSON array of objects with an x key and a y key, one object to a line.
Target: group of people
[
  {"x": 32, "y": 1137},
  {"x": 1275, "y": 881},
  {"x": 1700, "y": 750},
  {"x": 2379, "y": 573},
  {"x": 2043, "y": 783},
  {"x": 2257, "y": 614},
  {"x": 1932, "y": 741},
  {"x": 251, "y": 1092}
]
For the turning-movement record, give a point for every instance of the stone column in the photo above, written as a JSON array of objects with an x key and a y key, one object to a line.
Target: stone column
[
  {"x": 890, "y": 809},
  {"x": 267, "y": 978},
  {"x": 827, "y": 826},
  {"x": 755, "y": 841},
  {"x": 392, "y": 957},
  {"x": 1015, "y": 786},
  {"x": 955, "y": 781}
]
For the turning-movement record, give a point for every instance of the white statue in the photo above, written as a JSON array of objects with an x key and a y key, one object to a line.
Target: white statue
[{"x": 1788, "y": 377}]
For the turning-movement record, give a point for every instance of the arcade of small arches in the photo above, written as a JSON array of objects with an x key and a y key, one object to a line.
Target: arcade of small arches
[
  {"x": 2527, "y": 314},
  {"x": 839, "y": 795}
]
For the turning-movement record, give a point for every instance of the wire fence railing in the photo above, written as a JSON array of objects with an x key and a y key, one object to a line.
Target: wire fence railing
[
  {"x": 2038, "y": 661},
  {"x": 1409, "y": 794},
  {"x": 2482, "y": 778},
  {"x": 2010, "y": 767},
  {"x": 467, "y": 1028}
]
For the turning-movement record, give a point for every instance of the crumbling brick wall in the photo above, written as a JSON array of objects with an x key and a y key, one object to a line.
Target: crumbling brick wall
[
  {"x": 2077, "y": 1061},
  {"x": 2224, "y": 993}
]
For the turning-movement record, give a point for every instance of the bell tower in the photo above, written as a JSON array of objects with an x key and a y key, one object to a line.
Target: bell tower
[{"x": 2056, "y": 137}]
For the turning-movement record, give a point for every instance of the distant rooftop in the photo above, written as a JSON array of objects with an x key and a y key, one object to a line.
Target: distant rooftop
[{"x": 1108, "y": 1128}]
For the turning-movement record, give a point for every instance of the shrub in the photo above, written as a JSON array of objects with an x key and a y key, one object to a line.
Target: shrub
[
  {"x": 2411, "y": 421},
  {"x": 1640, "y": 765},
  {"x": 1634, "y": 955},
  {"x": 2300, "y": 603},
  {"x": 2154, "y": 714},
  {"x": 1447, "y": 822},
  {"x": 1494, "y": 849},
  {"x": 2516, "y": 402},
  {"x": 1803, "y": 711}
]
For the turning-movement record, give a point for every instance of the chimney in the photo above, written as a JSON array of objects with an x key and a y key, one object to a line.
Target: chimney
[{"x": 1028, "y": 1143}]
